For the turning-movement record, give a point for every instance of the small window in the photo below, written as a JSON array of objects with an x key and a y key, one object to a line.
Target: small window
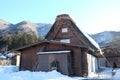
[
  {"x": 65, "y": 40},
  {"x": 64, "y": 30}
]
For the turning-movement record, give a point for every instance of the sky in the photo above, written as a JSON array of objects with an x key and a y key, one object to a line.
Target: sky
[{"x": 92, "y": 16}]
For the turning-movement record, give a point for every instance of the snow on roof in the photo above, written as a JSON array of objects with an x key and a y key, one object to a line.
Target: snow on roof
[{"x": 92, "y": 41}]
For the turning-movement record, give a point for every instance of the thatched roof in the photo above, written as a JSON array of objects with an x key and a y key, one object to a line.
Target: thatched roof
[
  {"x": 112, "y": 50},
  {"x": 86, "y": 39}
]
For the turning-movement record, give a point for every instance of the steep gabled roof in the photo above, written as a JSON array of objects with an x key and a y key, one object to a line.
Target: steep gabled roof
[{"x": 65, "y": 19}]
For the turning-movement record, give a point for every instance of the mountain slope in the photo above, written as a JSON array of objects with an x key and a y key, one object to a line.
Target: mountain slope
[
  {"x": 43, "y": 28},
  {"x": 4, "y": 24},
  {"x": 105, "y": 38},
  {"x": 39, "y": 29}
]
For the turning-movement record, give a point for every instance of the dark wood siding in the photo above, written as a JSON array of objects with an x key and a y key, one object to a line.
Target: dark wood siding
[{"x": 29, "y": 57}]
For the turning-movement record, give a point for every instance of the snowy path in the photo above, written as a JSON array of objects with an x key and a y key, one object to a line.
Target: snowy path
[{"x": 106, "y": 73}]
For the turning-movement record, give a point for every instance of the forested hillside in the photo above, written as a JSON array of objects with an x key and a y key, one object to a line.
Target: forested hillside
[
  {"x": 15, "y": 41},
  {"x": 23, "y": 33}
]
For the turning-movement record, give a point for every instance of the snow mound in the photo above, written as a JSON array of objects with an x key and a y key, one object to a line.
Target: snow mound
[
  {"x": 9, "y": 73},
  {"x": 27, "y": 75}
]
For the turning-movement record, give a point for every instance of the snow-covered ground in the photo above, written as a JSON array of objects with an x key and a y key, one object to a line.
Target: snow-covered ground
[
  {"x": 106, "y": 73},
  {"x": 12, "y": 73}
]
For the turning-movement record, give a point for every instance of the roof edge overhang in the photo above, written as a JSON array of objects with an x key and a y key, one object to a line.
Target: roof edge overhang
[{"x": 46, "y": 41}]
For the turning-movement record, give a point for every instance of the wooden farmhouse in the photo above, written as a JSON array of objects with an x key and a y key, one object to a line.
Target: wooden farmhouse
[
  {"x": 112, "y": 54},
  {"x": 65, "y": 49}
]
